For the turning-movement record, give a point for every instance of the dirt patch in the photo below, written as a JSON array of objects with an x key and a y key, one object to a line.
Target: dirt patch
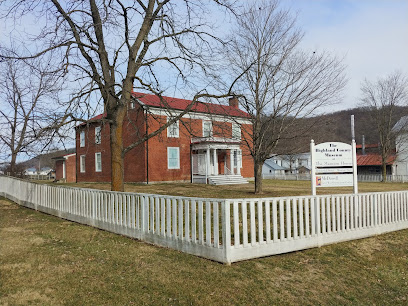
[
  {"x": 37, "y": 241},
  {"x": 26, "y": 297},
  {"x": 368, "y": 248},
  {"x": 13, "y": 229},
  {"x": 4, "y": 204},
  {"x": 16, "y": 268}
]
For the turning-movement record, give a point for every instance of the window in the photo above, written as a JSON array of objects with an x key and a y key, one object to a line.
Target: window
[
  {"x": 173, "y": 158},
  {"x": 132, "y": 105},
  {"x": 207, "y": 128},
  {"x": 98, "y": 162},
  {"x": 236, "y": 131},
  {"x": 98, "y": 135},
  {"x": 173, "y": 130},
  {"x": 82, "y": 139},
  {"x": 82, "y": 163}
]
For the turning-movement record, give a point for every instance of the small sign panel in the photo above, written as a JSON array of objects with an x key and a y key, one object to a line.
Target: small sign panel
[
  {"x": 334, "y": 170},
  {"x": 333, "y": 154},
  {"x": 334, "y": 180}
]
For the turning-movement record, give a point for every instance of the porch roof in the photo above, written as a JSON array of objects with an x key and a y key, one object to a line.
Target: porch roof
[{"x": 214, "y": 143}]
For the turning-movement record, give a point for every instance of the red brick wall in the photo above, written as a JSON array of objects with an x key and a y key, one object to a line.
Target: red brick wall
[
  {"x": 157, "y": 148},
  {"x": 247, "y": 160},
  {"x": 134, "y": 160},
  {"x": 90, "y": 175},
  {"x": 59, "y": 169},
  {"x": 70, "y": 166}
]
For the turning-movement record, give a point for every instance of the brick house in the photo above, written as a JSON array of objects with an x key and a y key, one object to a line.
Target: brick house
[
  {"x": 65, "y": 168},
  {"x": 205, "y": 146}
]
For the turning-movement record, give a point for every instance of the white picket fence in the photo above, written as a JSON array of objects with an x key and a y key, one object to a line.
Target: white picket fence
[{"x": 224, "y": 230}]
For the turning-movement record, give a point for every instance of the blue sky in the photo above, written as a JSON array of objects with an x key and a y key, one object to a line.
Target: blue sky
[{"x": 372, "y": 35}]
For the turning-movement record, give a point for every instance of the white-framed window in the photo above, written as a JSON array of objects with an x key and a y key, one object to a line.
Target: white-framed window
[
  {"x": 173, "y": 130},
  {"x": 132, "y": 105},
  {"x": 236, "y": 131},
  {"x": 98, "y": 162},
  {"x": 82, "y": 163},
  {"x": 207, "y": 129},
  {"x": 82, "y": 139},
  {"x": 173, "y": 158},
  {"x": 98, "y": 135}
]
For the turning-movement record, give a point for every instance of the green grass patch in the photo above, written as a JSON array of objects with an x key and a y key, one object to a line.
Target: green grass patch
[{"x": 47, "y": 261}]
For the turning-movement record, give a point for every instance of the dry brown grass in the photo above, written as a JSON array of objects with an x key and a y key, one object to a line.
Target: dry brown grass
[{"x": 48, "y": 261}]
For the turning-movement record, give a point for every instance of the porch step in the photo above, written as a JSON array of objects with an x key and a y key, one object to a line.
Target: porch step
[{"x": 226, "y": 180}]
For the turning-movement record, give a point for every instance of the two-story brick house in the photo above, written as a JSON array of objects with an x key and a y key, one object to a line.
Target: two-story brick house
[{"x": 204, "y": 146}]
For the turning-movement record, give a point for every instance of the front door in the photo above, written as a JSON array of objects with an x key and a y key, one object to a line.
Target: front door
[{"x": 221, "y": 162}]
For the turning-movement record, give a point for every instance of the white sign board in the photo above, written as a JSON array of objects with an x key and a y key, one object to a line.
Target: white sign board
[
  {"x": 334, "y": 180},
  {"x": 333, "y": 154},
  {"x": 334, "y": 164}
]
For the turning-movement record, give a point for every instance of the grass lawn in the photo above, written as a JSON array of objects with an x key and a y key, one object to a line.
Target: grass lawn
[
  {"x": 272, "y": 188},
  {"x": 48, "y": 261}
]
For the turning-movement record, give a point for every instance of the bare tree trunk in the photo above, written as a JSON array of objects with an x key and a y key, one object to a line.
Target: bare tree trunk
[
  {"x": 116, "y": 146},
  {"x": 13, "y": 164},
  {"x": 384, "y": 172},
  {"x": 258, "y": 176}
]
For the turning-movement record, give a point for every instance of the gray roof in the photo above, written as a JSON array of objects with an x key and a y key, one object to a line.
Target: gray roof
[
  {"x": 401, "y": 125},
  {"x": 273, "y": 165}
]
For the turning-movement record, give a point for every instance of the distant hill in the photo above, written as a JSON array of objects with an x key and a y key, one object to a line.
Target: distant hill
[
  {"x": 336, "y": 127},
  {"x": 45, "y": 160}
]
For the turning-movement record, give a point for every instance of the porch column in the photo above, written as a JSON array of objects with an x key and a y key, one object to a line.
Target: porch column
[
  {"x": 232, "y": 161},
  {"x": 239, "y": 161},
  {"x": 207, "y": 164},
  {"x": 215, "y": 171},
  {"x": 64, "y": 171}
]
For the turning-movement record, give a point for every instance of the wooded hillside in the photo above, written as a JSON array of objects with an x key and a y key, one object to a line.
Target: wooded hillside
[{"x": 334, "y": 127}]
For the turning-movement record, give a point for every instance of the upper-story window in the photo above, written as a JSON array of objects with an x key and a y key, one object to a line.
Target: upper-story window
[
  {"x": 207, "y": 129},
  {"x": 236, "y": 131},
  {"x": 82, "y": 139},
  {"x": 173, "y": 130},
  {"x": 132, "y": 105},
  {"x": 98, "y": 135}
]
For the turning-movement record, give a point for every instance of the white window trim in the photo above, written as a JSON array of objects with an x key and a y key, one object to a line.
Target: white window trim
[
  {"x": 82, "y": 139},
  {"x": 178, "y": 130},
  {"x": 211, "y": 128},
  {"x": 81, "y": 168},
  {"x": 236, "y": 126},
  {"x": 96, "y": 162},
  {"x": 168, "y": 157},
  {"x": 96, "y": 135}
]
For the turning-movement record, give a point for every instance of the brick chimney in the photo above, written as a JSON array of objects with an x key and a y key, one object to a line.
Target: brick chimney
[{"x": 233, "y": 102}]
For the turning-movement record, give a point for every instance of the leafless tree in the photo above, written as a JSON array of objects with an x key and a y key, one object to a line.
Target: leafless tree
[
  {"x": 28, "y": 89},
  {"x": 280, "y": 83},
  {"x": 113, "y": 47},
  {"x": 383, "y": 98}
]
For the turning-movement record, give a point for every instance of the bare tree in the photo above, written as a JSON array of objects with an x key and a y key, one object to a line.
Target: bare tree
[
  {"x": 279, "y": 83},
  {"x": 113, "y": 47},
  {"x": 383, "y": 98},
  {"x": 28, "y": 89}
]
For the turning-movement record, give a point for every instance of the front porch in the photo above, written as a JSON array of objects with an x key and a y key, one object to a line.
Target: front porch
[{"x": 216, "y": 160}]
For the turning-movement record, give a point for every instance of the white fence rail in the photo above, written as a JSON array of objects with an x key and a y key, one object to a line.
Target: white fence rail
[
  {"x": 223, "y": 230},
  {"x": 360, "y": 177}
]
